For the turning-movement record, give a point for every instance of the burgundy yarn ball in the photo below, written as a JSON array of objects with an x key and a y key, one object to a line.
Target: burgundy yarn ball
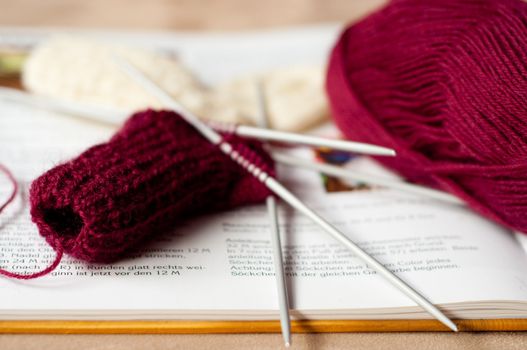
[
  {"x": 156, "y": 171},
  {"x": 444, "y": 83}
]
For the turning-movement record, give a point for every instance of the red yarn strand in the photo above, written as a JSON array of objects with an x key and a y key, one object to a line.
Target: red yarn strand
[
  {"x": 47, "y": 270},
  {"x": 11, "y": 178},
  {"x": 58, "y": 249}
]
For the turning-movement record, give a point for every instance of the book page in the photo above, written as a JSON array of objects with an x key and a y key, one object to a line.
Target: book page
[{"x": 220, "y": 266}]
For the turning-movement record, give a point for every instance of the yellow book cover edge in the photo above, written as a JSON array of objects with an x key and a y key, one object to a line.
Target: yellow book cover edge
[{"x": 298, "y": 326}]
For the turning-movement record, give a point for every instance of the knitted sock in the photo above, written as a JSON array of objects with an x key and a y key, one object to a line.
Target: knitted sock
[{"x": 156, "y": 171}]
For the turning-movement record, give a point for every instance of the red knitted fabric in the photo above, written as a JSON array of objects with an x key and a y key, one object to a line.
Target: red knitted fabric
[
  {"x": 444, "y": 83},
  {"x": 156, "y": 171}
]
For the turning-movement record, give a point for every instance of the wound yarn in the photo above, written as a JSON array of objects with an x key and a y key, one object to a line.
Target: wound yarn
[
  {"x": 444, "y": 83},
  {"x": 154, "y": 173}
]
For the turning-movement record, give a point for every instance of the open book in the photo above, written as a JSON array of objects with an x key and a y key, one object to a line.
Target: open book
[{"x": 219, "y": 267}]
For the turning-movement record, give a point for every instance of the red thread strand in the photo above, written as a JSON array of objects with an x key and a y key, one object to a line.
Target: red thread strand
[
  {"x": 14, "y": 191},
  {"x": 47, "y": 270},
  {"x": 59, "y": 251}
]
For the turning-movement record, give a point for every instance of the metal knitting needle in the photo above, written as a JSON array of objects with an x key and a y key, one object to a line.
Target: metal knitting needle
[
  {"x": 333, "y": 170},
  {"x": 308, "y": 140},
  {"x": 113, "y": 116},
  {"x": 100, "y": 114},
  {"x": 281, "y": 287},
  {"x": 281, "y": 191}
]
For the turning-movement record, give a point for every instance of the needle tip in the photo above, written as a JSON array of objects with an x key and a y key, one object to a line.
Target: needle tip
[
  {"x": 451, "y": 325},
  {"x": 287, "y": 344},
  {"x": 382, "y": 151}
]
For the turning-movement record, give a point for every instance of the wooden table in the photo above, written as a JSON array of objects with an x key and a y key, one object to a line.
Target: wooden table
[{"x": 181, "y": 14}]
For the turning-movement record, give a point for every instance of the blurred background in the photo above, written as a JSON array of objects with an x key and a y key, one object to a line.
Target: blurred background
[
  {"x": 181, "y": 14},
  {"x": 303, "y": 51}
]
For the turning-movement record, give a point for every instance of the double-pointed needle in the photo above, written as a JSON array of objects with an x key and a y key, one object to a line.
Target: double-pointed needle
[
  {"x": 113, "y": 116},
  {"x": 281, "y": 287},
  {"x": 344, "y": 173}
]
